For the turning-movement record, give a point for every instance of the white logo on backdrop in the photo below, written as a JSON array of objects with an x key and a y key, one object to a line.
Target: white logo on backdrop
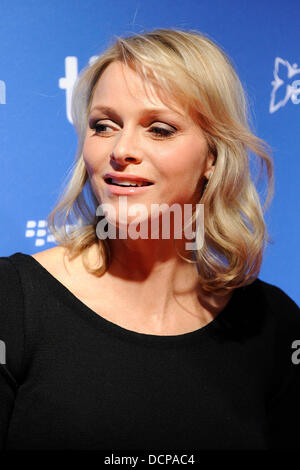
[
  {"x": 2, "y": 92},
  {"x": 38, "y": 230},
  {"x": 283, "y": 86},
  {"x": 67, "y": 82}
]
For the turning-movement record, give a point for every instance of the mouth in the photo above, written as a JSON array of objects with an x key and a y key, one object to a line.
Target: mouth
[{"x": 127, "y": 184}]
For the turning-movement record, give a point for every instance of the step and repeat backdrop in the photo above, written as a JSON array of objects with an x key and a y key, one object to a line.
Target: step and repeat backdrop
[{"x": 45, "y": 43}]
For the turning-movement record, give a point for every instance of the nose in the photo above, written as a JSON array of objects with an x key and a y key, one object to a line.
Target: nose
[
  {"x": 121, "y": 161},
  {"x": 125, "y": 151}
]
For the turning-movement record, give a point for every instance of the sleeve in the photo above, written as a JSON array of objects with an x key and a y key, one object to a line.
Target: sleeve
[
  {"x": 11, "y": 341},
  {"x": 284, "y": 406}
]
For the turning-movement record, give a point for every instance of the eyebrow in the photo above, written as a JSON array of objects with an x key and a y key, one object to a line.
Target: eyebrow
[{"x": 152, "y": 112}]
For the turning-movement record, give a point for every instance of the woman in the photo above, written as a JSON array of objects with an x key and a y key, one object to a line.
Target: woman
[{"x": 115, "y": 341}]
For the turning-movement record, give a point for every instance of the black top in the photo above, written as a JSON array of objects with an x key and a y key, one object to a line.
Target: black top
[{"x": 74, "y": 380}]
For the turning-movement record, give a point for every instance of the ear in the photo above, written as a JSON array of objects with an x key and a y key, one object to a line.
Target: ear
[{"x": 210, "y": 162}]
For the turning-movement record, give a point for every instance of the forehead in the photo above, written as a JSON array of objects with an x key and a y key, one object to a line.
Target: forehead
[{"x": 120, "y": 81}]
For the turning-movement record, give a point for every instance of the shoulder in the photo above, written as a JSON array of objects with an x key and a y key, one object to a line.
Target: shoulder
[
  {"x": 276, "y": 300},
  {"x": 263, "y": 295},
  {"x": 11, "y": 317},
  {"x": 9, "y": 276},
  {"x": 280, "y": 311},
  {"x": 57, "y": 261},
  {"x": 50, "y": 258},
  {"x": 68, "y": 271},
  {"x": 11, "y": 293},
  {"x": 19, "y": 273},
  {"x": 263, "y": 307}
]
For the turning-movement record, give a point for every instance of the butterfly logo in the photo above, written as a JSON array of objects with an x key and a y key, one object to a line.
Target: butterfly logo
[{"x": 284, "y": 84}]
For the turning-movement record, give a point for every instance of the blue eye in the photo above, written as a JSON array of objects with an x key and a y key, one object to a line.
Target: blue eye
[{"x": 157, "y": 131}]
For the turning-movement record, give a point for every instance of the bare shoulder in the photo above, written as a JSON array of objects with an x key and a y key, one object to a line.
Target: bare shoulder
[
  {"x": 50, "y": 253},
  {"x": 50, "y": 258}
]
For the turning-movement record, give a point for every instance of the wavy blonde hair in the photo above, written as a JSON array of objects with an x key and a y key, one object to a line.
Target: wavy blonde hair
[{"x": 198, "y": 73}]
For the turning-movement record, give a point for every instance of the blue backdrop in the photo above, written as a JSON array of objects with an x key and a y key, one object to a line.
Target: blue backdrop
[{"x": 45, "y": 43}]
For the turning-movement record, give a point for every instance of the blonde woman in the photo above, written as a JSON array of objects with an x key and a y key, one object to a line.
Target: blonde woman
[{"x": 118, "y": 341}]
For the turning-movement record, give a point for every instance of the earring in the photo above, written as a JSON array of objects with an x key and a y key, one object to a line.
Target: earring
[{"x": 209, "y": 175}]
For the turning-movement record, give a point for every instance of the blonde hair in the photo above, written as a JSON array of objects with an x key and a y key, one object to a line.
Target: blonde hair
[{"x": 200, "y": 75}]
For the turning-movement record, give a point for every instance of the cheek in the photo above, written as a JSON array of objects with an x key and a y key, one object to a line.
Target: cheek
[
  {"x": 90, "y": 156},
  {"x": 185, "y": 162},
  {"x": 86, "y": 151}
]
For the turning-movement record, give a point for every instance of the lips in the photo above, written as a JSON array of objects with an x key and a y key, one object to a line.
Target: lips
[
  {"x": 127, "y": 184},
  {"x": 126, "y": 180}
]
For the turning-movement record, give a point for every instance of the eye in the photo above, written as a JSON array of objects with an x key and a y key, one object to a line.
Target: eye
[
  {"x": 98, "y": 127},
  {"x": 162, "y": 132}
]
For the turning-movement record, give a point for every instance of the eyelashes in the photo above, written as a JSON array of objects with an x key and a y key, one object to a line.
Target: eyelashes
[{"x": 155, "y": 130}]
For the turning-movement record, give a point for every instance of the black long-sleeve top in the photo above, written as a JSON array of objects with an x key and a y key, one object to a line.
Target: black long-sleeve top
[{"x": 71, "y": 379}]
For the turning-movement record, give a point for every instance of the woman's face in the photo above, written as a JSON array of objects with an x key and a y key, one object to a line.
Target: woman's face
[{"x": 147, "y": 139}]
